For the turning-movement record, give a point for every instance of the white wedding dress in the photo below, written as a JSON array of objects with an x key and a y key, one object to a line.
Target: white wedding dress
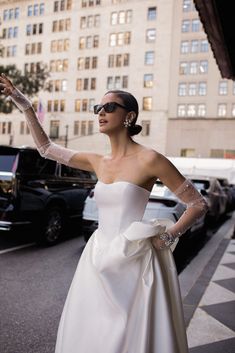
[{"x": 124, "y": 297}]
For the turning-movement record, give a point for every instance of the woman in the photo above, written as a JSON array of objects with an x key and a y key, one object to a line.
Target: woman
[{"x": 124, "y": 297}]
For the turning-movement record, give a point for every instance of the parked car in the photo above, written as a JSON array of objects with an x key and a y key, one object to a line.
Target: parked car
[
  {"x": 211, "y": 189},
  {"x": 228, "y": 190},
  {"x": 162, "y": 204},
  {"x": 40, "y": 192}
]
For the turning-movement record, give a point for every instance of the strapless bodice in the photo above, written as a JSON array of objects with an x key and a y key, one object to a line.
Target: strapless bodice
[{"x": 119, "y": 204}]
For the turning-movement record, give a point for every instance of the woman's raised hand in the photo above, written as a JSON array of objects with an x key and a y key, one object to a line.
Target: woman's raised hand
[{"x": 6, "y": 86}]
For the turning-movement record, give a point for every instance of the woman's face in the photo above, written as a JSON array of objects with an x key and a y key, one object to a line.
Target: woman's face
[{"x": 112, "y": 122}]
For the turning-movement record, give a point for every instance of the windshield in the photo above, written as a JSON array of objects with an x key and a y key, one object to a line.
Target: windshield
[{"x": 7, "y": 163}]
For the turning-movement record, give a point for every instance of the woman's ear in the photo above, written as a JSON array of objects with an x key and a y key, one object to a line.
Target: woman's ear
[{"x": 131, "y": 116}]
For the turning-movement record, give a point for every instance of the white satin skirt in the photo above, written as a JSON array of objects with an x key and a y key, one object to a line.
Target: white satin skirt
[{"x": 124, "y": 298}]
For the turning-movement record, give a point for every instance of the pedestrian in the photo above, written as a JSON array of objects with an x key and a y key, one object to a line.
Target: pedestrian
[{"x": 124, "y": 297}]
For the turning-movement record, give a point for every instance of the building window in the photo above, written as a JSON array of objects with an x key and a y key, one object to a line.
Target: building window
[
  {"x": 181, "y": 111},
  {"x": 187, "y": 152},
  {"x": 183, "y": 68},
  {"x": 56, "y": 105},
  {"x": 195, "y": 25},
  {"x": 117, "y": 82},
  {"x": 222, "y": 110},
  {"x": 222, "y": 153},
  {"x": 59, "y": 65},
  {"x": 86, "y": 84},
  {"x": 61, "y": 25},
  {"x": 76, "y": 127},
  {"x": 186, "y": 5},
  {"x": 121, "y": 17},
  {"x": 201, "y": 111},
  {"x": 192, "y": 89},
  {"x": 184, "y": 48},
  {"x": 182, "y": 89},
  {"x": 33, "y": 48},
  {"x": 89, "y": 42},
  {"x": 148, "y": 80},
  {"x": 149, "y": 58},
  {"x": 233, "y": 110},
  {"x": 34, "y": 29},
  {"x": 203, "y": 67},
  {"x": 150, "y": 35},
  {"x": 202, "y": 88},
  {"x": 83, "y": 128},
  {"x": 147, "y": 103},
  {"x": 185, "y": 27},
  {"x": 90, "y": 21},
  {"x": 191, "y": 111},
  {"x": 152, "y": 13},
  {"x": 193, "y": 65},
  {"x": 35, "y": 10},
  {"x": 87, "y": 63},
  {"x": 223, "y": 88},
  {"x": 119, "y": 39},
  {"x": 62, "y": 5},
  {"x": 204, "y": 46},
  {"x": 90, "y": 127},
  {"x": 90, "y": 3},
  {"x": 194, "y": 46},
  {"x": 59, "y": 45},
  {"x": 145, "y": 127},
  {"x": 54, "y": 129}
]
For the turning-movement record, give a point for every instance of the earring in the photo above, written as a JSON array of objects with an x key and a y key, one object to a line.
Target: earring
[{"x": 127, "y": 123}]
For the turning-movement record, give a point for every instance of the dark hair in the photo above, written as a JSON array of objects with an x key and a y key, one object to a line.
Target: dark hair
[{"x": 132, "y": 106}]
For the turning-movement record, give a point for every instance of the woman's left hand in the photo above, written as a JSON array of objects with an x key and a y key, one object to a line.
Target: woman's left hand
[
  {"x": 158, "y": 243},
  {"x": 6, "y": 86}
]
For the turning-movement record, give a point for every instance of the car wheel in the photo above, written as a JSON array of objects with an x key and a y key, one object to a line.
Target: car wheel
[{"x": 53, "y": 226}]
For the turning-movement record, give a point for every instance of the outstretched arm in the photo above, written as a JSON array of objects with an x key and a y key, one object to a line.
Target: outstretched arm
[
  {"x": 47, "y": 148},
  {"x": 183, "y": 188}
]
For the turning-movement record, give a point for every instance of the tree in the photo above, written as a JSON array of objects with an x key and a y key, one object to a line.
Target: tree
[{"x": 29, "y": 83}]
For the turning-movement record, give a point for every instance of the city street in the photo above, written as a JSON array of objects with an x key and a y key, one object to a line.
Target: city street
[{"x": 34, "y": 282}]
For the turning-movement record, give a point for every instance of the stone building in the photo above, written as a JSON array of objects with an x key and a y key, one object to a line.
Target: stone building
[{"x": 155, "y": 49}]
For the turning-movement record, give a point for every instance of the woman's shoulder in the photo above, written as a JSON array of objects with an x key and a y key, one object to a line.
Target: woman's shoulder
[{"x": 149, "y": 155}]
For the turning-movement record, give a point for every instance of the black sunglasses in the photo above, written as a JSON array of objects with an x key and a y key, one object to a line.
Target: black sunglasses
[{"x": 108, "y": 107}]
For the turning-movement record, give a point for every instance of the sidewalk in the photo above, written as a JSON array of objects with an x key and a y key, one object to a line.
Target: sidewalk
[{"x": 208, "y": 291}]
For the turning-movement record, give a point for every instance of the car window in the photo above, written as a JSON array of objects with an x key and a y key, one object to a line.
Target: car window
[
  {"x": 32, "y": 163},
  {"x": 7, "y": 163},
  {"x": 74, "y": 172},
  {"x": 200, "y": 184}
]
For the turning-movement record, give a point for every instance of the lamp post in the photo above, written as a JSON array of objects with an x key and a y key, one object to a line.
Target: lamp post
[{"x": 66, "y": 136}]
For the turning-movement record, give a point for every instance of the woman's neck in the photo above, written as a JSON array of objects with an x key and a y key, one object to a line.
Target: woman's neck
[{"x": 121, "y": 146}]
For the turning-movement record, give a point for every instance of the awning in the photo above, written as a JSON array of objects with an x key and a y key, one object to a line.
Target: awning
[{"x": 217, "y": 17}]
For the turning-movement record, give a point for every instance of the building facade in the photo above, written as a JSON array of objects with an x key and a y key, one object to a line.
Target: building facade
[
  {"x": 155, "y": 49},
  {"x": 201, "y": 104}
]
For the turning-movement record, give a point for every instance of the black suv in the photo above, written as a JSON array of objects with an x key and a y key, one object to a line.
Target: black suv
[{"x": 41, "y": 192}]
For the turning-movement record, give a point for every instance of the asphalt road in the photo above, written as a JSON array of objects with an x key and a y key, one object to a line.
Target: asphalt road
[{"x": 34, "y": 282}]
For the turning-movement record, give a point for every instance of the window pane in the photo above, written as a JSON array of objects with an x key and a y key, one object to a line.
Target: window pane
[
  {"x": 150, "y": 35},
  {"x": 185, "y": 27},
  {"x": 184, "y": 47},
  {"x": 152, "y": 13},
  {"x": 181, "y": 110},
  {"x": 149, "y": 58},
  {"x": 148, "y": 80},
  {"x": 147, "y": 103}
]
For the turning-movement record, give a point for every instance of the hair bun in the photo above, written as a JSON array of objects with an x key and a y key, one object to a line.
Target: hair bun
[{"x": 135, "y": 129}]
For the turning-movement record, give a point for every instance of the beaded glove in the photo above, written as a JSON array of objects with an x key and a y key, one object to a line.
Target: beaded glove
[
  {"x": 196, "y": 208},
  {"x": 45, "y": 146}
]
